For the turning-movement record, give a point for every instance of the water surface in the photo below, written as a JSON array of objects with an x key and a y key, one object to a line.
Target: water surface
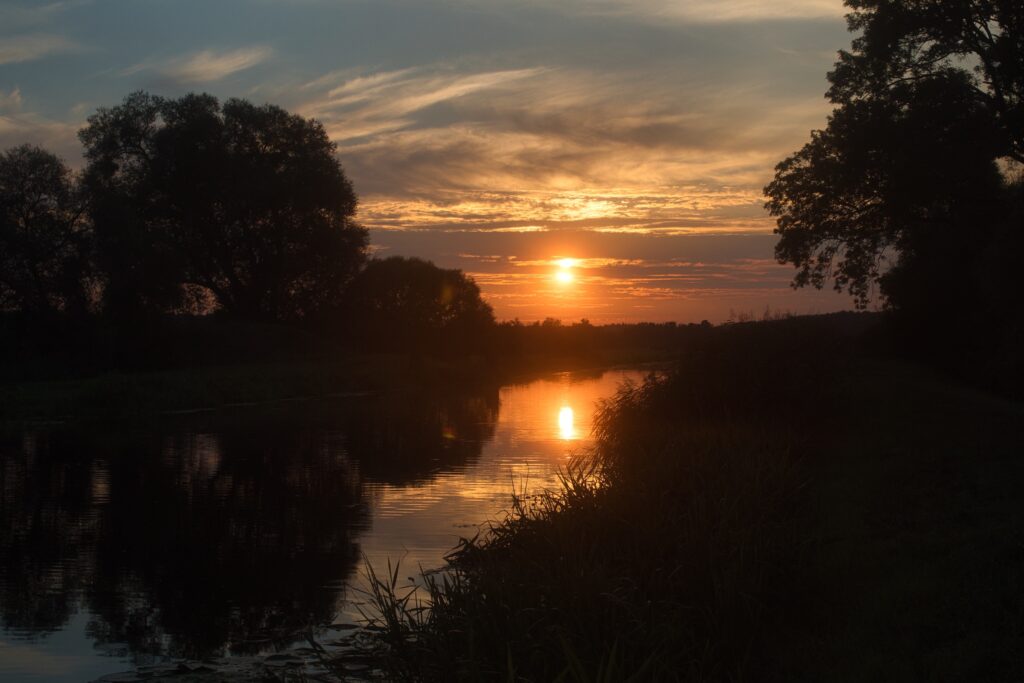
[{"x": 227, "y": 533}]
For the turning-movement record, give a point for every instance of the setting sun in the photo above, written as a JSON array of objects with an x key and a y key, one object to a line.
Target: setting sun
[{"x": 564, "y": 273}]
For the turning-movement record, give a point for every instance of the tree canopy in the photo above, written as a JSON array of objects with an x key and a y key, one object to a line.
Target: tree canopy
[
  {"x": 43, "y": 242},
  {"x": 402, "y": 302},
  {"x": 904, "y": 186},
  {"x": 247, "y": 204}
]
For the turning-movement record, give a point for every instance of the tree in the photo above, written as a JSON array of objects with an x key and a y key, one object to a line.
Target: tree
[
  {"x": 248, "y": 203},
  {"x": 903, "y": 187},
  {"x": 43, "y": 238},
  {"x": 411, "y": 304}
]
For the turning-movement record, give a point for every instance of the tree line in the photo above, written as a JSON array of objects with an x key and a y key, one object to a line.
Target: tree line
[{"x": 189, "y": 206}]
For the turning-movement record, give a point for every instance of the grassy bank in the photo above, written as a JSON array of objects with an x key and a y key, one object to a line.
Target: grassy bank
[{"x": 782, "y": 507}]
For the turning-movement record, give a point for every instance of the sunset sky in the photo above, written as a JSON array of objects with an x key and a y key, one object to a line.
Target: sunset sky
[{"x": 495, "y": 136}]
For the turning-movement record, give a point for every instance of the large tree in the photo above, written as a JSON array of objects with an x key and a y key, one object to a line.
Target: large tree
[
  {"x": 246, "y": 203},
  {"x": 43, "y": 239},
  {"x": 903, "y": 187},
  {"x": 411, "y": 304}
]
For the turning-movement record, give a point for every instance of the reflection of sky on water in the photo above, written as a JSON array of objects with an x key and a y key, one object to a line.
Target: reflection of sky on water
[
  {"x": 540, "y": 426},
  {"x": 223, "y": 532}
]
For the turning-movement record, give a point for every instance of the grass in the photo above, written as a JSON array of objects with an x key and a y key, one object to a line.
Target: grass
[
  {"x": 782, "y": 507},
  {"x": 920, "y": 521}
]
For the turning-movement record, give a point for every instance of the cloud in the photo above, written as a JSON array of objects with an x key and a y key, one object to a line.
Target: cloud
[
  {"x": 14, "y": 15},
  {"x": 26, "y": 48},
  {"x": 718, "y": 11},
  {"x": 382, "y": 102},
  {"x": 205, "y": 66},
  {"x": 10, "y": 101},
  {"x": 438, "y": 148},
  {"x": 18, "y": 127},
  {"x": 208, "y": 65},
  {"x": 689, "y": 11}
]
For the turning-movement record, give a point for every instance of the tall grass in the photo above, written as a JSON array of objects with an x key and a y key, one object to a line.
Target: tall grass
[{"x": 669, "y": 549}]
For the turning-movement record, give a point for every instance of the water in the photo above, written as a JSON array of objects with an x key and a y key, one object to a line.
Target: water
[{"x": 227, "y": 533}]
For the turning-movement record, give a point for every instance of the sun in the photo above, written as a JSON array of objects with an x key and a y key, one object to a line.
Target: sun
[{"x": 564, "y": 273}]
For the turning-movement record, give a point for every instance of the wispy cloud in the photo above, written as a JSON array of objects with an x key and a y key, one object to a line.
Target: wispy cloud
[
  {"x": 26, "y": 48},
  {"x": 371, "y": 104},
  {"x": 18, "y": 127},
  {"x": 209, "y": 65},
  {"x": 205, "y": 66},
  {"x": 690, "y": 11},
  {"x": 717, "y": 11},
  {"x": 10, "y": 101},
  {"x": 17, "y": 15},
  {"x": 438, "y": 148}
]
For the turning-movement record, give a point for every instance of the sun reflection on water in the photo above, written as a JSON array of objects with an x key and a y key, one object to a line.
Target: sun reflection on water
[{"x": 566, "y": 428}]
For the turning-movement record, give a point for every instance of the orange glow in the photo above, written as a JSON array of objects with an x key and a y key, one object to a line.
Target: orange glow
[
  {"x": 566, "y": 426},
  {"x": 564, "y": 273}
]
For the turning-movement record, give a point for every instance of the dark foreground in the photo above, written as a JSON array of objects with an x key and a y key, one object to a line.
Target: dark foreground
[{"x": 787, "y": 506}]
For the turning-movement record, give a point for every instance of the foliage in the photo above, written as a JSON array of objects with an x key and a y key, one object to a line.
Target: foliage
[
  {"x": 43, "y": 243},
  {"x": 904, "y": 183},
  {"x": 247, "y": 203},
  {"x": 408, "y": 303}
]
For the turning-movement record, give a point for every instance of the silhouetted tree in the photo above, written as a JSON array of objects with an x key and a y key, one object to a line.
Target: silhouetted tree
[
  {"x": 43, "y": 239},
  {"x": 246, "y": 202},
  {"x": 890, "y": 187},
  {"x": 903, "y": 187},
  {"x": 409, "y": 303}
]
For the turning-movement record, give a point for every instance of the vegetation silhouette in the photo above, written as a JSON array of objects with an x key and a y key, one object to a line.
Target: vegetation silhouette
[
  {"x": 400, "y": 299},
  {"x": 43, "y": 240},
  {"x": 205, "y": 232},
  {"x": 245, "y": 204},
  {"x": 912, "y": 193}
]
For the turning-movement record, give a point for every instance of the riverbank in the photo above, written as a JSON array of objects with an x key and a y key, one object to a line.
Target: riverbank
[
  {"x": 130, "y": 394},
  {"x": 786, "y": 506}
]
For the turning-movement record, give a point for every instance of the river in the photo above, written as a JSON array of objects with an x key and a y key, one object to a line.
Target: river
[{"x": 224, "y": 534}]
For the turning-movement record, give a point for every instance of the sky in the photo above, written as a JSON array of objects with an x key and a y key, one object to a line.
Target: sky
[{"x": 500, "y": 137}]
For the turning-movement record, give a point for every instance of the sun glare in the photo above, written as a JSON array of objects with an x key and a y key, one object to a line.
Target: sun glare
[
  {"x": 564, "y": 273},
  {"x": 566, "y": 428}
]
